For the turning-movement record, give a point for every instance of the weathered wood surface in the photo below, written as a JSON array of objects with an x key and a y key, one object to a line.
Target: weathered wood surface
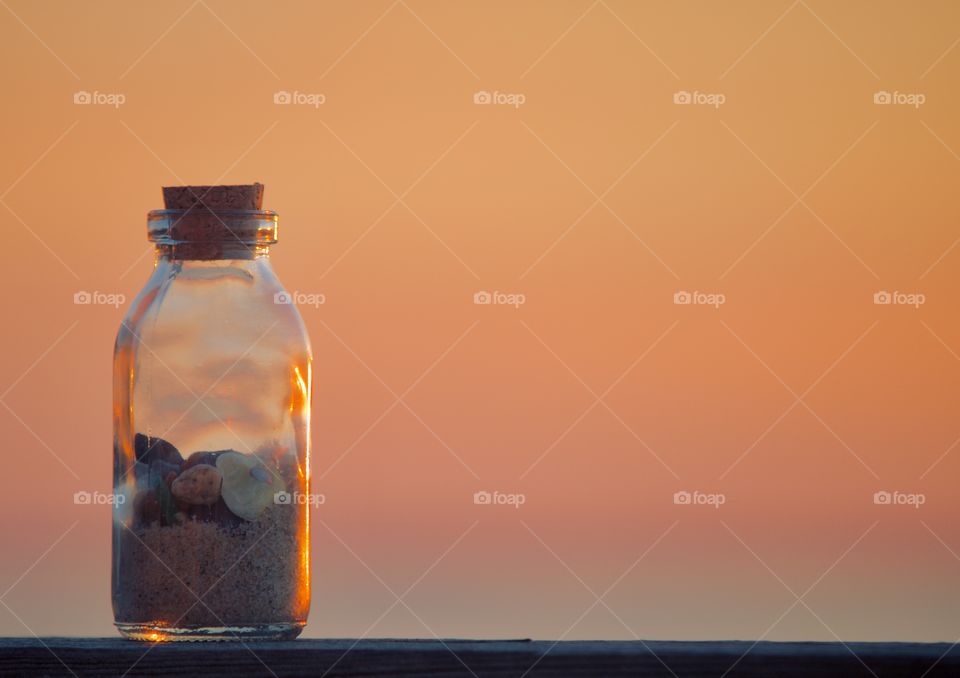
[{"x": 82, "y": 657}]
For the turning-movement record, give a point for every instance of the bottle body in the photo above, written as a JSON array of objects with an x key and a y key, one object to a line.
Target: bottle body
[{"x": 211, "y": 452}]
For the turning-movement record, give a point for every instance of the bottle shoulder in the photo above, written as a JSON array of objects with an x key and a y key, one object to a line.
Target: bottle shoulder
[{"x": 204, "y": 304}]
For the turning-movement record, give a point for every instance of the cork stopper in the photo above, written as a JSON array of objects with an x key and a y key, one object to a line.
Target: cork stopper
[
  {"x": 213, "y": 222},
  {"x": 236, "y": 197}
]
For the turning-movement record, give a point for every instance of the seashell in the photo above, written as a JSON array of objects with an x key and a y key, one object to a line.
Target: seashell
[{"x": 248, "y": 486}]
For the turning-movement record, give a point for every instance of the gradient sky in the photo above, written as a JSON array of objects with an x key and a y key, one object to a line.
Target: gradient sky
[{"x": 797, "y": 199}]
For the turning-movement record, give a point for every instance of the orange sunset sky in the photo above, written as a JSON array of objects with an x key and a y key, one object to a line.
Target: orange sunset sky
[{"x": 782, "y": 162}]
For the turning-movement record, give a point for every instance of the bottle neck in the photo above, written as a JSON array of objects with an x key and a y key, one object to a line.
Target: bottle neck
[
  {"x": 202, "y": 234},
  {"x": 209, "y": 251}
]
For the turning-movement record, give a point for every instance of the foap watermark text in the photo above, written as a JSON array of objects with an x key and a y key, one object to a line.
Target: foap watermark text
[
  {"x": 85, "y": 98},
  {"x": 300, "y": 298},
  {"x": 495, "y": 298},
  {"x": 295, "y": 98},
  {"x": 695, "y": 298},
  {"x": 896, "y": 498},
  {"x": 83, "y": 298},
  {"x": 495, "y": 98},
  {"x": 284, "y": 498},
  {"x": 884, "y": 98},
  {"x": 695, "y": 98},
  {"x": 895, "y": 298},
  {"x": 84, "y": 498},
  {"x": 697, "y": 498},
  {"x": 495, "y": 498}
]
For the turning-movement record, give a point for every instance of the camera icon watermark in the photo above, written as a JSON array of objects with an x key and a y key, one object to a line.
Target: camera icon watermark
[
  {"x": 485, "y": 498},
  {"x": 84, "y": 298},
  {"x": 696, "y": 498},
  {"x": 295, "y": 98},
  {"x": 300, "y": 298},
  {"x": 495, "y": 298},
  {"x": 895, "y": 298},
  {"x": 896, "y": 498}
]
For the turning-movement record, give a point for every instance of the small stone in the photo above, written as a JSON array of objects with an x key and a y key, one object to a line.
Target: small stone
[
  {"x": 149, "y": 449},
  {"x": 199, "y": 484}
]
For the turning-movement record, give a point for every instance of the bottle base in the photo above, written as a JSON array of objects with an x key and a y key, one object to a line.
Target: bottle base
[{"x": 159, "y": 633}]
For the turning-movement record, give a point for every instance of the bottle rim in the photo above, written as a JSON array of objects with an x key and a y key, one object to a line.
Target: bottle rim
[{"x": 203, "y": 225}]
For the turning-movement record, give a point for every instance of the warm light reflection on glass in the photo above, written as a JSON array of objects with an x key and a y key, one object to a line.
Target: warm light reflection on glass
[{"x": 300, "y": 413}]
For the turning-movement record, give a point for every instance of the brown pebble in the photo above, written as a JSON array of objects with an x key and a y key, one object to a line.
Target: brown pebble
[{"x": 199, "y": 484}]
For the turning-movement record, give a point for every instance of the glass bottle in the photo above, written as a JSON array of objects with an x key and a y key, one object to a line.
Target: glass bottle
[{"x": 211, "y": 412}]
